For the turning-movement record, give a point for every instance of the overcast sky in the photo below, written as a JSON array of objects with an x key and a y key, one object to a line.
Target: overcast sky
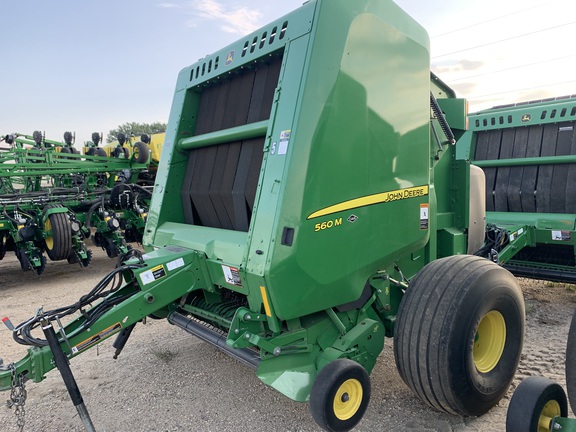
[{"x": 88, "y": 66}]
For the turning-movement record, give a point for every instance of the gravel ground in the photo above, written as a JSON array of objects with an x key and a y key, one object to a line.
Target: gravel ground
[{"x": 167, "y": 380}]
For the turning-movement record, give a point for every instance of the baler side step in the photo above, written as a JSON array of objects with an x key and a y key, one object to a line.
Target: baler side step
[{"x": 213, "y": 337}]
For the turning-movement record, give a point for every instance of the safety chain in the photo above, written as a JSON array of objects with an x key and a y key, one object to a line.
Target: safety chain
[{"x": 17, "y": 397}]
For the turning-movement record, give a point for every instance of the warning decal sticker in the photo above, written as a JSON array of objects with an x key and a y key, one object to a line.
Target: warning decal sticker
[
  {"x": 232, "y": 275},
  {"x": 424, "y": 216},
  {"x": 561, "y": 235},
  {"x": 284, "y": 140},
  {"x": 96, "y": 338}
]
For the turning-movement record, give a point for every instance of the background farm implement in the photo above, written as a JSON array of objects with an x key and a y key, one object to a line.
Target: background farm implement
[{"x": 52, "y": 199}]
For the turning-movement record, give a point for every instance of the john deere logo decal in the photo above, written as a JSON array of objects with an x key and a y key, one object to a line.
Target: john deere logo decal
[
  {"x": 229, "y": 58},
  {"x": 526, "y": 118},
  {"x": 367, "y": 200}
]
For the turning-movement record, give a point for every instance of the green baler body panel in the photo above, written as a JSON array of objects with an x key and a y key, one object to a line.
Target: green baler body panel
[{"x": 348, "y": 125}]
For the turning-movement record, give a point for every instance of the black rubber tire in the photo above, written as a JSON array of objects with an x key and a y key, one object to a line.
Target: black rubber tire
[
  {"x": 59, "y": 245},
  {"x": 326, "y": 387},
  {"x": 86, "y": 261},
  {"x": 120, "y": 152},
  {"x": 529, "y": 401},
  {"x": 141, "y": 152},
  {"x": 3, "y": 244},
  {"x": 571, "y": 364},
  {"x": 111, "y": 248},
  {"x": 436, "y": 335},
  {"x": 40, "y": 269},
  {"x": 100, "y": 152},
  {"x": 72, "y": 258},
  {"x": 91, "y": 151},
  {"x": 65, "y": 150},
  {"x": 25, "y": 263}
]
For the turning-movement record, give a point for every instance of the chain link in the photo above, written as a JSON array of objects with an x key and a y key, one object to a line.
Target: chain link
[{"x": 17, "y": 397}]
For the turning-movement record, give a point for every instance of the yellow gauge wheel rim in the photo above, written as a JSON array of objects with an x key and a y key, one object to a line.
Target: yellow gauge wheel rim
[
  {"x": 348, "y": 399},
  {"x": 489, "y": 341},
  {"x": 550, "y": 410},
  {"x": 48, "y": 240}
]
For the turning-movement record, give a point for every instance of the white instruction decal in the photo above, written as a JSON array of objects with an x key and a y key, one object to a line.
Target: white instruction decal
[
  {"x": 283, "y": 147},
  {"x": 147, "y": 277},
  {"x": 177, "y": 263}
]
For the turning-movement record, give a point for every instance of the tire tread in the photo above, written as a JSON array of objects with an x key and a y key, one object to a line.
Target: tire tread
[
  {"x": 424, "y": 323},
  {"x": 61, "y": 235}
]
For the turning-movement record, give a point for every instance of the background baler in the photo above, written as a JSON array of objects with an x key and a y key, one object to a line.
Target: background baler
[
  {"x": 309, "y": 203},
  {"x": 528, "y": 152}
]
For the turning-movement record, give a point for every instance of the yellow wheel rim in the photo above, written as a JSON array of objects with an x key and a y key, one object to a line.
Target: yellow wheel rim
[
  {"x": 550, "y": 410},
  {"x": 489, "y": 341},
  {"x": 48, "y": 240},
  {"x": 348, "y": 399}
]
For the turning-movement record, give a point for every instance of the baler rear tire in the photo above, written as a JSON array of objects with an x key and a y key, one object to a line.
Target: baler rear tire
[
  {"x": 59, "y": 245},
  {"x": 340, "y": 395},
  {"x": 571, "y": 363},
  {"x": 535, "y": 400},
  {"x": 458, "y": 334}
]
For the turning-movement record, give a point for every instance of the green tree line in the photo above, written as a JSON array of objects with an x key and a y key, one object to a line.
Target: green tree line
[{"x": 136, "y": 129}]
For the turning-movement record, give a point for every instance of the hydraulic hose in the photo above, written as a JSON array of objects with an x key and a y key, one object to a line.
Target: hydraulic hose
[
  {"x": 92, "y": 209},
  {"x": 140, "y": 188}
]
